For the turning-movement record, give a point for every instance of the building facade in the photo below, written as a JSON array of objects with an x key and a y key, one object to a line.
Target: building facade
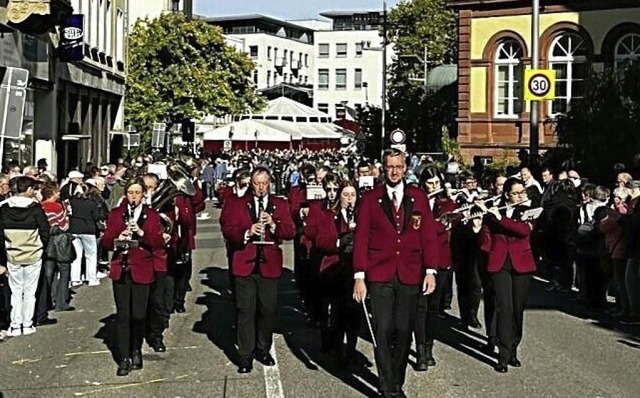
[
  {"x": 576, "y": 38},
  {"x": 333, "y": 64},
  {"x": 70, "y": 106}
]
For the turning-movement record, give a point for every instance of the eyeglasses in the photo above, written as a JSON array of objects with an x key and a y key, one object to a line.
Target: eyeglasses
[
  {"x": 332, "y": 189},
  {"x": 518, "y": 193}
]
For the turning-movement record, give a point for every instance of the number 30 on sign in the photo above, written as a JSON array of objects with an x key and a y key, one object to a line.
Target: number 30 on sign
[{"x": 540, "y": 84}]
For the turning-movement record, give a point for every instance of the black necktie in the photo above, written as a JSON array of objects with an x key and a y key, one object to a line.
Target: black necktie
[{"x": 260, "y": 205}]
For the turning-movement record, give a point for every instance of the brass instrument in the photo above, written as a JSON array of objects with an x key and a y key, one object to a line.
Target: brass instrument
[
  {"x": 482, "y": 213},
  {"x": 177, "y": 183}
]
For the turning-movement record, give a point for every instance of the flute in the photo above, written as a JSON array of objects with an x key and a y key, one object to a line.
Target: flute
[
  {"x": 482, "y": 213},
  {"x": 434, "y": 193},
  {"x": 466, "y": 207}
]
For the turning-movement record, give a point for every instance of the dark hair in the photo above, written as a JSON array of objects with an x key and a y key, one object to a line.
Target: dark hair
[
  {"x": 241, "y": 174},
  {"x": 49, "y": 189},
  {"x": 330, "y": 179},
  {"x": 589, "y": 189},
  {"x": 23, "y": 184},
  {"x": 344, "y": 184},
  {"x": 153, "y": 176},
  {"x": 429, "y": 173},
  {"x": 363, "y": 164},
  {"x": 511, "y": 181},
  {"x": 547, "y": 169}
]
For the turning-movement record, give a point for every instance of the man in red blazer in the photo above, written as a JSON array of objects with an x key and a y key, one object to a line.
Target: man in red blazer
[
  {"x": 246, "y": 221},
  {"x": 396, "y": 250}
]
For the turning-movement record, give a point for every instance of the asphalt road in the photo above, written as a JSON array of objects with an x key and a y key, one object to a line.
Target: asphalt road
[{"x": 566, "y": 351}]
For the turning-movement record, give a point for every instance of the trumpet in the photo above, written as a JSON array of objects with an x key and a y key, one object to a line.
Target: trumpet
[{"x": 482, "y": 213}]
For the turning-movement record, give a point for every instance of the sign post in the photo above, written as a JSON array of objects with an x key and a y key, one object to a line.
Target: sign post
[{"x": 398, "y": 137}]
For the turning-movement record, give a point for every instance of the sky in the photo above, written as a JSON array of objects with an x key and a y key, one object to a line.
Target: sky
[{"x": 284, "y": 9}]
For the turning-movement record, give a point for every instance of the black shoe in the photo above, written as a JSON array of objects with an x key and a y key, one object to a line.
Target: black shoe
[
  {"x": 179, "y": 308},
  {"x": 136, "y": 360},
  {"x": 45, "y": 322},
  {"x": 421, "y": 360},
  {"x": 474, "y": 323},
  {"x": 245, "y": 367},
  {"x": 501, "y": 367},
  {"x": 515, "y": 362},
  {"x": 431, "y": 361},
  {"x": 265, "y": 358},
  {"x": 491, "y": 346},
  {"x": 157, "y": 345},
  {"x": 66, "y": 309},
  {"x": 125, "y": 367}
]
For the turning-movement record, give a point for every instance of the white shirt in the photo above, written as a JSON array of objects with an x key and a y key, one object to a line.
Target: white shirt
[
  {"x": 399, "y": 191},
  {"x": 432, "y": 203}
]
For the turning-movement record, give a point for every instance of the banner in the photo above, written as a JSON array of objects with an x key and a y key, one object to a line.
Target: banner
[{"x": 72, "y": 38}]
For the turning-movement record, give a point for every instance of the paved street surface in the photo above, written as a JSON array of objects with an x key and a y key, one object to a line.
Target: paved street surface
[{"x": 565, "y": 353}]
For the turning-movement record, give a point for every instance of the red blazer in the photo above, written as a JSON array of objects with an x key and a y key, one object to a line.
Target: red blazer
[
  {"x": 312, "y": 224},
  {"x": 237, "y": 217},
  {"x": 508, "y": 237},
  {"x": 381, "y": 251},
  {"x": 443, "y": 235},
  {"x": 141, "y": 260},
  {"x": 297, "y": 195},
  {"x": 330, "y": 227}
]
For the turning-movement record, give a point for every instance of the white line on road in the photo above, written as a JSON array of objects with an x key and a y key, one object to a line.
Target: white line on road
[{"x": 272, "y": 377}]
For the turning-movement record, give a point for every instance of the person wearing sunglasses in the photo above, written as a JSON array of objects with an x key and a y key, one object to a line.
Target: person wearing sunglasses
[{"x": 511, "y": 267}]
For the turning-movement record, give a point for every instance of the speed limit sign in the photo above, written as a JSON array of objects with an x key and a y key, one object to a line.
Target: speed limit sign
[{"x": 540, "y": 84}]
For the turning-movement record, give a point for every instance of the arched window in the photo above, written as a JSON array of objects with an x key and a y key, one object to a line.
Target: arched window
[
  {"x": 627, "y": 50},
  {"x": 568, "y": 57},
  {"x": 508, "y": 79}
]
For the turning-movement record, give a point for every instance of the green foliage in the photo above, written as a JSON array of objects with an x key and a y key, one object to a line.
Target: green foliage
[
  {"x": 370, "y": 119},
  {"x": 413, "y": 26},
  {"x": 602, "y": 129},
  {"x": 450, "y": 147},
  {"x": 181, "y": 68}
]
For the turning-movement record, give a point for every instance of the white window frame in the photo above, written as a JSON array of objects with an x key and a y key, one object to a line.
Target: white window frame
[
  {"x": 508, "y": 54},
  {"x": 357, "y": 83},
  {"x": 342, "y": 50},
  {"x": 633, "y": 48},
  {"x": 324, "y": 54},
  {"x": 340, "y": 72},
  {"x": 569, "y": 59},
  {"x": 322, "y": 72}
]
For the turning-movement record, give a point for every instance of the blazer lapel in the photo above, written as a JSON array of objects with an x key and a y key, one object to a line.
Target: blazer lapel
[
  {"x": 407, "y": 204},
  {"x": 252, "y": 210},
  {"x": 385, "y": 202}
]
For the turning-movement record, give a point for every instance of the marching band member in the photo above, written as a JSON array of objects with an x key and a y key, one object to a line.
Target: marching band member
[
  {"x": 160, "y": 294},
  {"x": 511, "y": 266},
  {"x": 248, "y": 223},
  {"x": 394, "y": 267},
  {"x": 132, "y": 269},
  {"x": 187, "y": 209},
  {"x": 432, "y": 181}
]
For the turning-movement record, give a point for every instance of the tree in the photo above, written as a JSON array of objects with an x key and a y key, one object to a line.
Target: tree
[
  {"x": 180, "y": 69},
  {"x": 602, "y": 128},
  {"x": 413, "y": 26}
]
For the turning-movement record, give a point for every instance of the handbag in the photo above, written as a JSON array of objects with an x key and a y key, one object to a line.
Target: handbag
[{"x": 60, "y": 247}]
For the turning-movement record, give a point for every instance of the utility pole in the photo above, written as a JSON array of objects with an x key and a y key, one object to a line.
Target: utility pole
[
  {"x": 384, "y": 79},
  {"x": 535, "y": 56}
]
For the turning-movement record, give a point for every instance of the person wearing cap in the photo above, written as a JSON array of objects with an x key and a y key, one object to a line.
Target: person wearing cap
[{"x": 70, "y": 187}]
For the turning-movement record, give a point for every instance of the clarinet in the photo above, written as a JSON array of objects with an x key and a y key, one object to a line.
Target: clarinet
[{"x": 351, "y": 217}]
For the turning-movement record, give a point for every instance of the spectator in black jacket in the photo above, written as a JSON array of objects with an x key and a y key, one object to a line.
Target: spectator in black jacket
[
  {"x": 24, "y": 233},
  {"x": 87, "y": 209}
]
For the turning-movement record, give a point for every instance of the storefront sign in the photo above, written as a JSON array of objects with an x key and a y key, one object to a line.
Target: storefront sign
[{"x": 72, "y": 38}]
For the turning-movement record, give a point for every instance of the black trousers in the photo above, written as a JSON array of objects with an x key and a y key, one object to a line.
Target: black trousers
[
  {"x": 512, "y": 291},
  {"x": 428, "y": 308},
  {"x": 44, "y": 299},
  {"x": 131, "y": 309},
  {"x": 232, "y": 278},
  {"x": 256, "y": 308},
  {"x": 340, "y": 314},
  {"x": 181, "y": 274},
  {"x": 469, "y": 285},
  {"x": 160, "y": 305},
  {"x": 488, "y": 298},
  {"x": 393, "y": 306}
]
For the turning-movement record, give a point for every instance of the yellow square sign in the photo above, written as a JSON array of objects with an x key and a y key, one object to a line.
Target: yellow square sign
[{"x": 540, "y": 84}]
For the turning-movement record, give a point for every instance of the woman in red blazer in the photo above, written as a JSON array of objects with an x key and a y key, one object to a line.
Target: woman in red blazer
[
  {"x": 132, "y": 269},
  {"x": 432, "y": 181},
  {"x": 340, "y": 314},
  {"x": 511, "y": 266}
]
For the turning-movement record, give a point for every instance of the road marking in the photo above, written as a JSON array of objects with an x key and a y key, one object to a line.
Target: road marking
[
  {"x": 80, "y": 394},
  {"x": 272, "y": 377}
]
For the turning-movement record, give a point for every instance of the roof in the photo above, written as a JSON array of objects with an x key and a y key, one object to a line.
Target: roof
[
  {"x": 337, "y": 14},
  {"x": 256, "y": 17},
  {"x": 442, "y": 76},
  {"x": 284, "y": 106}
]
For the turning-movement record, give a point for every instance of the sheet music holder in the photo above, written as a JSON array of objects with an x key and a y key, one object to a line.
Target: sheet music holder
[
  {"x": 315, "y": 192},
  {"x": 532, "y": 214}
]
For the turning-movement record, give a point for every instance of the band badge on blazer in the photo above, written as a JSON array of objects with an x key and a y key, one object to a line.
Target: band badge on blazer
[{"x": 416, "y": 220}]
